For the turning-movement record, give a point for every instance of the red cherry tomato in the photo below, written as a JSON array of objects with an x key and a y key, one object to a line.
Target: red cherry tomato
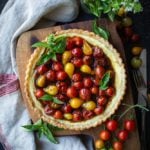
[
  {"x": 58, "y": 114},
  {"x": 67, "y": 108},
  {"x": 77, "y": 77},
  {"x": 123, "y": 135},
  {"x": 130, "y": 125},
  {"x": 104, "y": 135},
  {"x": 78, "y": 62},
  {"x": 48, "y": 110},
  {"x": 61, "y": 75},
  {"x": 99, "y": 71},
  {"x": 117, "y": 145},
  {"x": 87, "y": 114},
  {"x": 87, "y": 82},
  {"x": 42, "y": 69},
  {"x": 112, "y": 125},
  {"x": 70, "y": 44},
  {"x": 78, "y": 85},
  {"x": 39, "y": 93},
  {"x": 94, "y": 90},
  {"x": 85, "y": 94},
  {"x": 102, "y": 92},
  {"x": 57, "y": 66},
  {"x": 98, "y": 52},
  {"x": 98, "y": 110},
  {"x": 77, "y": 52},
  {"x": 110, "y": 91},
  {"x": 62, "y": 97},
  {"x": 77, "y": 115},
  {"x": 135, "y": 38},
  {"x": 78, "y": 41},
  {"x": 72, "y": 92},
  {"x": 51, "y": 75},
  {"x": 102, "y": 101},
  {"x": 87, "y": 60}
]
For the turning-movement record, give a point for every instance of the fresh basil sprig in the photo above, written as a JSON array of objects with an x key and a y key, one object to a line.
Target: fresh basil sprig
[
  {"x": 111, "y": 7},
  {"x": 100, "y": 31},
  {"x": 53, "y": 46},
  {"x": 105, "y": 81},
  {"x": 48, "y": 97},
  {"x": 43, "y": 129}
]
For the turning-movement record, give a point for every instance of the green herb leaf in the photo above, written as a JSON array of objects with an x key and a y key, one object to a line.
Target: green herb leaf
[
  {"x": 41, "y": 44},
  {"x": 105, "y": 80},
  {"x": 43, "y": 129},
  {"x": 100, "y": 31},
  {"x": 48, "y": 97}
]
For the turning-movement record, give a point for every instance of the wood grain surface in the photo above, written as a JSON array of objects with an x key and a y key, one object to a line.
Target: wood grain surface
[{"x": 24, "y": 51}]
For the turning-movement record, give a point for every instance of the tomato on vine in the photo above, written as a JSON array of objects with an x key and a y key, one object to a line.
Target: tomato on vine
[
  {"x": 123, "y": 135},
  {"x": 130, "y": 125},
  {"x": 112, "y": 125},
  {"x": 105, "y": 135}
]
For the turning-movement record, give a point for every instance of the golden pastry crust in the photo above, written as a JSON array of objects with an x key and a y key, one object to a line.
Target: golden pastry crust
[{"x": 119, "y": 82}]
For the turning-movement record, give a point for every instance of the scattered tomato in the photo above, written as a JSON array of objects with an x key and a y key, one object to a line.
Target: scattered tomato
[
  {"x": 136, "y": 50},
  {"x": 127, "y": 21},
  {"x": 128, "y": 32},
  {"x": 123, "y": 135},
  {"x": 112, "y": 125},
  {"x": 130, "y": 125},
  {"x": 117, "y": 145},
  {"x": 136, "y": 62},
  {"x": 135, "y": 38},
  {"x": 105, "y": 135},
  {"x": 99, "y": 144}
]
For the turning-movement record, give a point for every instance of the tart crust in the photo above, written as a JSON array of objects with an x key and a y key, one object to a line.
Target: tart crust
[{"x": 119, "y": 82}]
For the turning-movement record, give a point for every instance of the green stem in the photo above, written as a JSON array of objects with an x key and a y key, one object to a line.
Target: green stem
[{"x": 131, "y": 107}]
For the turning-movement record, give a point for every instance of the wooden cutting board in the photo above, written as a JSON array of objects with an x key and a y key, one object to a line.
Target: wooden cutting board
[{"x": 24, "y": 51}]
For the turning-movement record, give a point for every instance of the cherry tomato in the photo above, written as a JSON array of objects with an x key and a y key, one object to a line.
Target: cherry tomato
[
  {"x": 130, "y": 125},
  {"x": 61, "y": 75},
  {"x": 128, "y": 31},
  {"x": 58, "y": 114},
  {"x": 42, "y": 69},
  {"x": 110, "y": 91},
  {"x": 48, "y": 110},
  {"x": 72, "y": 92},
  {"x": 135, "y": 38},
  {"x": 77, "y": 115},
  {"x": 87, "y": 82},
  {"x": 67, "y": 108},
  {"x": 96, "y": 81},
  {"x": 39, "y": 93},
  {"x": 78, "y": 62},
  {"x": 98, "y": 110},
  {"x": 102, "y": 101},
  {"x": 99, "y": 71},
  {"x": 117, "y": 145},
  {"x": 104, "y": 135},
  {"x": 78, "y": 41},
  {"x": 112, "y": 125},
  {"x": 99, "y": 144},
  {"x": 127, "y": 21},
  {"x": 85, "y": 94},
  {"x": 77, "y": 52},
  {"x": 78, "y": 85},
  {"x": 136, "y": 62},
  {"x": 87, "y": 114},
  {"x": 51, "y": 75},
  {"x": 77, "y": 77},
  {"x": 62, "y": 97},
  {"x": 94, "y": 90},
  {"x": 123, "y": 135},
  {"x": 70, "y": 44},
  {"x": 136, "y": 50},
  {"x": 98, "y": 52},
  {"x": 57, "y": 66},
  {"x": 87, "y": 60}
]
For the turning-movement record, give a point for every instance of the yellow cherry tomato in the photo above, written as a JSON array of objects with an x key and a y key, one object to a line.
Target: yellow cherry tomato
[
  {"x": 69, "y": 69},
  {"x": 99, "y": 144},
  {"x": 51, "y": 89},
  {"x": 75, "y": 102},
  {"x": 68, "y": 116},
  {"x": 41, "y": 80},
  {"x": 121, "y": 11},
  {"x": 55, "y": 106},
  {"x": 85, "y": 69},
  {"x": 66, "y": 57},
  {"x": 136, "y": 50},
  {"x": 89, "y": 105},
  {"x": 87, "y": 50}
]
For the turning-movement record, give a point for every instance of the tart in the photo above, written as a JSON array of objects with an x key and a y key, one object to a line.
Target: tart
[{"x": 74, "y": 80}]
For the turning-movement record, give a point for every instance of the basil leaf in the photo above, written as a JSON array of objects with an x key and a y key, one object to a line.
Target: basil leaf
[
  {"x": 57, "y": 101},
  {"x": 100, "y": 31},
  {"x": 53, "y": 128},
  {"x": 48, "y": 97},
  {"x": 31, "y": 127},
  {"x": 41, "y": 44},
  {"x": 48, "y": 134},
  {"x": 105, "y": 80}
]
